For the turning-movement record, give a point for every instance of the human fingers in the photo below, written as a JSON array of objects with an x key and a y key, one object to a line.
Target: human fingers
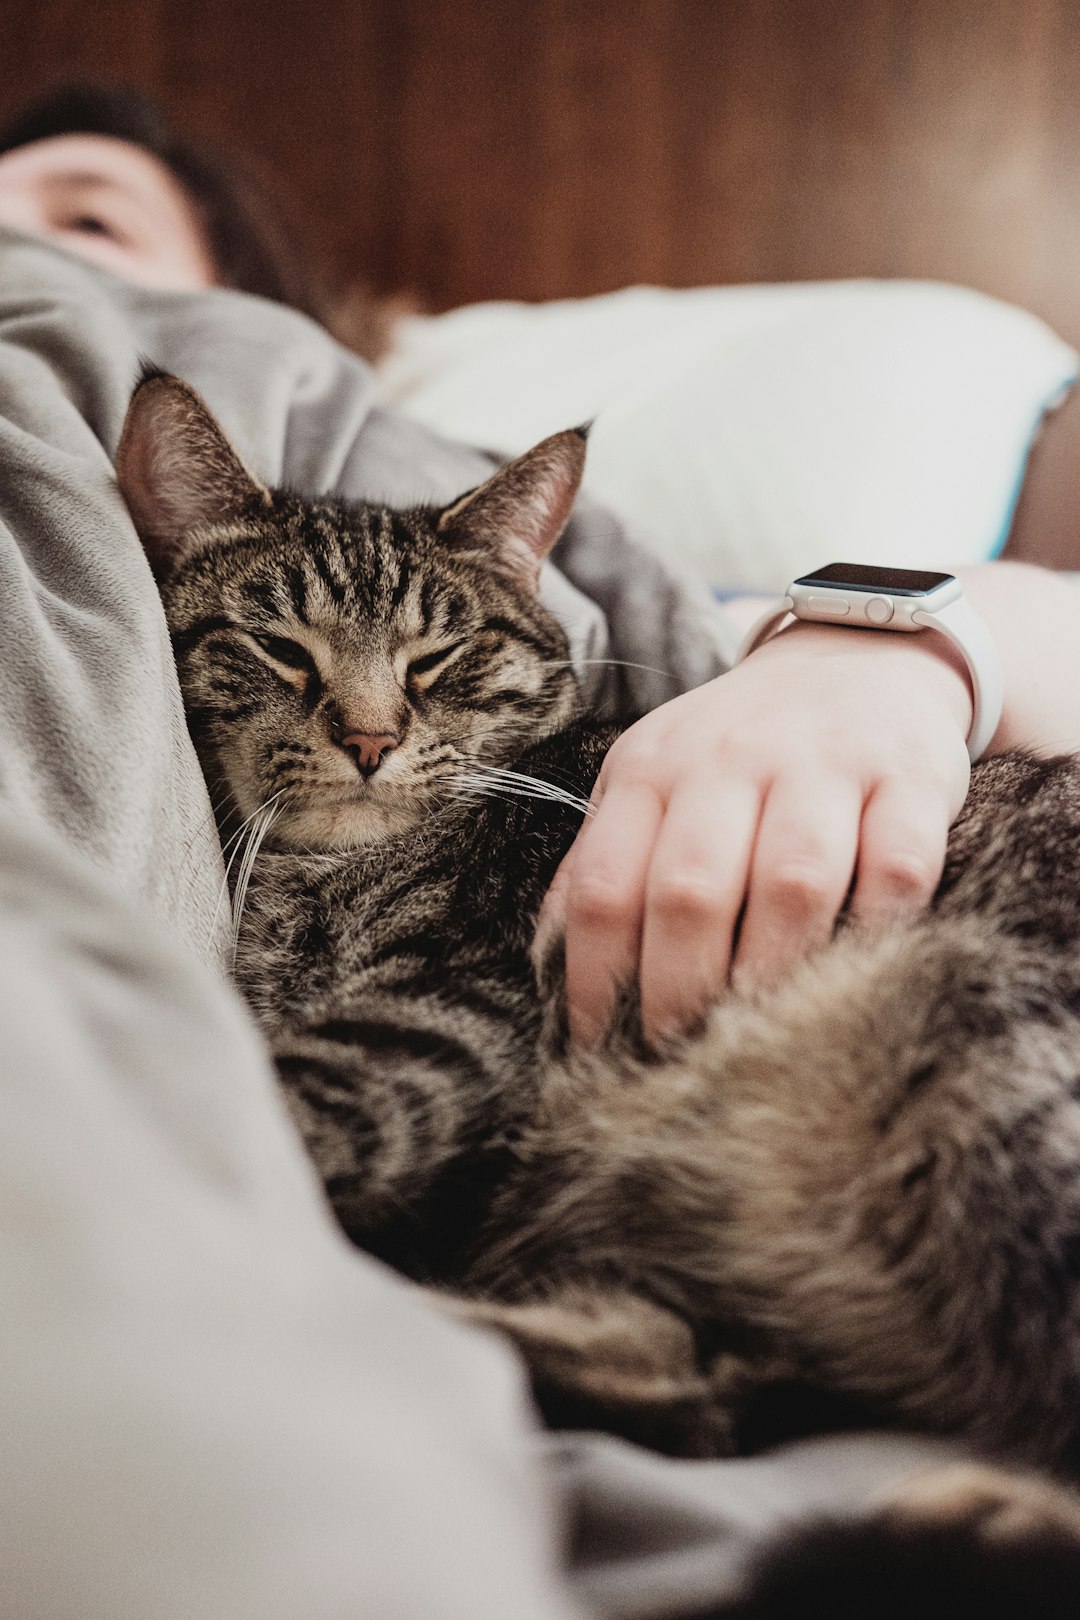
[
  {"x": 552, "y": 919},
  {"x": 604, "y": 899},
  {"x": 693, "y": 895},
  {"x": 800, "y": 872},
  {"x": 551, "y": 922},
  {"x": 905, "y": 827}
]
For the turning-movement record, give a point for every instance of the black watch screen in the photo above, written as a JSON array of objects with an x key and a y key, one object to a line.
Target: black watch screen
[{"x": 861, "y": 577}]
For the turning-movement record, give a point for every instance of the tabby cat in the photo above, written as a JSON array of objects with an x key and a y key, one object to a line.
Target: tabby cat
[{"x": 862, "y": 1186}]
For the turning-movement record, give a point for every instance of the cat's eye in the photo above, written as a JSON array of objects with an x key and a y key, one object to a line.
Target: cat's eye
[
  {"x": 426, "y": 668},
  {"x": 289, "y": 653}
]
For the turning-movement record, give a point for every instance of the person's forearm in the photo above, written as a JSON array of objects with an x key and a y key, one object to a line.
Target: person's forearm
[{"x": 1034, "y": 616}]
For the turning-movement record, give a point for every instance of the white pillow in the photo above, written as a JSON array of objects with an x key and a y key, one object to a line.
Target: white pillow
[{"x": 758, "y": 432}]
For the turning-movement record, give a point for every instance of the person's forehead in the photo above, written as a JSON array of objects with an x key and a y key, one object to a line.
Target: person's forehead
[{"x": 92, "y": 157}]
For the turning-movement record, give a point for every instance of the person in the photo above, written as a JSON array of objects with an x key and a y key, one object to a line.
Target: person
[
  {"x": 99, "y": 170},
  {"x": 258, "y": 1420}
]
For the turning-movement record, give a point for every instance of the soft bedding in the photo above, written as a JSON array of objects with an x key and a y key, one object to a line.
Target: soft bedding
[
  {"x": 209, "y": 1404},
  {"x": 757, "y": 431}
]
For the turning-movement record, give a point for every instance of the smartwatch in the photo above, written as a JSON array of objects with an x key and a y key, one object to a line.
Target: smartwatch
[{"x": 905, "y": 599}]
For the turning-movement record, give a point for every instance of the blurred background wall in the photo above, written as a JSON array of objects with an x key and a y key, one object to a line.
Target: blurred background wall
[{"x": 468, "y": 149}]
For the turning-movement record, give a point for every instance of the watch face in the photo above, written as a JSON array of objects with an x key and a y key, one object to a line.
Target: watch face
[{"x": 859, "y": 577}]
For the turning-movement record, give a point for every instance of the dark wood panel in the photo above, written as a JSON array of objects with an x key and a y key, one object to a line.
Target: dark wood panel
[
  {"x": 300, "y": 89},
  {"x": 468, "y": 149},
  {"x": 61, "y": 38}
]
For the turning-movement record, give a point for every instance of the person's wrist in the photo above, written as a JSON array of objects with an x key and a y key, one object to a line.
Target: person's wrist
[{"x": 927, "y": 658}]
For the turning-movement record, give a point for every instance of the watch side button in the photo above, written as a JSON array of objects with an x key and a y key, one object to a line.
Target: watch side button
[
  {"x": 828, "y": 607},
  {"x": 879, "y": 610}
]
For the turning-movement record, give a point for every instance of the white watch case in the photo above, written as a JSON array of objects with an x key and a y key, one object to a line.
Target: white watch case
[{"x": 859, "y": 597}]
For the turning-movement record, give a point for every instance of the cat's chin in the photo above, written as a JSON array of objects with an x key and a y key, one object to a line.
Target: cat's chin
[{"x": 344, "y": 826}]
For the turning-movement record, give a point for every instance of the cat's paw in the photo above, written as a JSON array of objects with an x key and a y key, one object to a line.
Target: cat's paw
[{"x": 958, "y": 1543}]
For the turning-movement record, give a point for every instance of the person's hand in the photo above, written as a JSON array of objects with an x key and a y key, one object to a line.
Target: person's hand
[{"x": 728, "y": 824}]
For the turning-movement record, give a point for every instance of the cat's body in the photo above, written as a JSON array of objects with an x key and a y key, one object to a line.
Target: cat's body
[
  {"x": 871, "y": 1175},
  {"x": 864, "y": 1184},
  {"x": 867, "y": 1180},
  {"x": 408, "y": 962}
]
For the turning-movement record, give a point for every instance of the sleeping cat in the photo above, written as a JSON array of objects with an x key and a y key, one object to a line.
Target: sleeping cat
[{"x": 857, "y": 1193}]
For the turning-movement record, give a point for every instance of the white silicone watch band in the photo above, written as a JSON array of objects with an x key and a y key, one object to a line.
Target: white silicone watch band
[
  {"x": 763, "y": 627},
  {"x": 969, "y": 635}
]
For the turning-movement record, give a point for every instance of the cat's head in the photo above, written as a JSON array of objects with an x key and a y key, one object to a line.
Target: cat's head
[{"x": 347, "y": 664}]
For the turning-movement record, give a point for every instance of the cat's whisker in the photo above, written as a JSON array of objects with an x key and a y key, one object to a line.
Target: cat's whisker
[
  {"x": 573, "y": 801},
  {"x": 233, "y": 844},
  {"x": 223, "y": 890},
  {"x": 188, "y": 849},
  {"x": 493, "y": 782},
  {"x": 263, "y": 820},
  {"x": 552, "y": 780},
  {"x": 612, "y": 663},
  {"x": 504, "y": 774}
]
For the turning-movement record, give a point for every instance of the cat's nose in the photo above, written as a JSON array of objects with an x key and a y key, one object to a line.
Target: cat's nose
[{"x": 368, "y": 751}]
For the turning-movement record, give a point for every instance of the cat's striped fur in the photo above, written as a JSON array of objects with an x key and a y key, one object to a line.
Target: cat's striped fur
[{"x": 865, "y": 1184}]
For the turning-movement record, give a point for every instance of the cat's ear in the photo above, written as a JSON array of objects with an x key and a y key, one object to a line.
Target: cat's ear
[
  {"x": 519, "y": 513},
  {"x": 177, "y": 470}
]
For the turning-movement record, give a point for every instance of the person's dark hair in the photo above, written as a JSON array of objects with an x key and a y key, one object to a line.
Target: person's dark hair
[{"x": 250, "y": 240}]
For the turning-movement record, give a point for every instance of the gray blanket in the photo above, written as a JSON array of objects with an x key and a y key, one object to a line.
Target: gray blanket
[{"x": 209, "y": 1404}]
